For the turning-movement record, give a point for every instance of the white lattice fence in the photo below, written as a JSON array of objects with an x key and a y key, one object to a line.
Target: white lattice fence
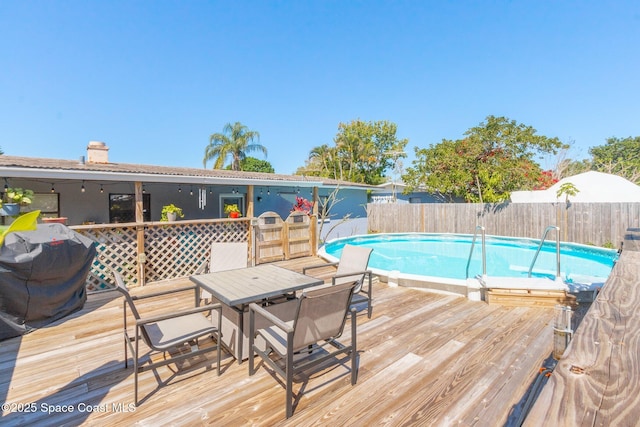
[
  {"x": 115, "y": 251},
  {"x": 180, "y": 249},
  {"x": 171, "y": 250}
]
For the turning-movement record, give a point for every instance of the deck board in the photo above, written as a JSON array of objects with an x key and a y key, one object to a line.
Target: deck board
[{"x": 423, "y": 358}]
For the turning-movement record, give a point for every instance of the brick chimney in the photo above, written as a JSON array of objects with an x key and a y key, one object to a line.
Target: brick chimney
[{"x": 97, "y": 152}]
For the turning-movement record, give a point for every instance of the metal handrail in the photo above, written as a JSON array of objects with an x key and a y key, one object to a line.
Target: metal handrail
[
  {"x": 484, "y": 257},
  {"x": 544, "y": 236}
]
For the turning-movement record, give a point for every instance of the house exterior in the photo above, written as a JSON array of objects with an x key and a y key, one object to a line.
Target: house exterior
[
  {"x": 93, "y": 190},
  {"x": 394, "y": 192}
]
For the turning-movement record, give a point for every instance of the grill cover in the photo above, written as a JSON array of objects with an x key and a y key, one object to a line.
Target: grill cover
[{"x": 42, "y": 277}]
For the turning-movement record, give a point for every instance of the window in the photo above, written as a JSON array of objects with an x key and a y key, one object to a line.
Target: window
[
  {"x": 231, "y": 199},
  {"x": 47, "y": 203},
  {"x": 122, "y": 207}
]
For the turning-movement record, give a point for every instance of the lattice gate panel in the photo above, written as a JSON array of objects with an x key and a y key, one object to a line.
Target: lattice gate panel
[{"x": 115, "y": 251}]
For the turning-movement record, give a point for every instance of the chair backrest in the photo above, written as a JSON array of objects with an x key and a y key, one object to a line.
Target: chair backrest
[
  {"x": 122, "y": 287},
  {"x": 321, "y": 314},
  {"x": 228, "y": 256},
  {"x": 353, "y": 259}
]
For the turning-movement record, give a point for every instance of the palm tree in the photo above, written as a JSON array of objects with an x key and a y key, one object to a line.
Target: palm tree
[
  {"x": 235, "y": 141},
  {"x": 323, "y": 156}
]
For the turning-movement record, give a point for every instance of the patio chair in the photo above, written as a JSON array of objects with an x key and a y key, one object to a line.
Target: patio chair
[
  {"x": 178, "y": 331},
  {"x": 224, "y": 256},
  {"x": 298, "y": 332},
  {"x": 352, "y": 266}
]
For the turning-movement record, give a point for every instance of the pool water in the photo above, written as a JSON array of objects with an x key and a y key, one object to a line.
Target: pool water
[{"x": 447, "y": 255}]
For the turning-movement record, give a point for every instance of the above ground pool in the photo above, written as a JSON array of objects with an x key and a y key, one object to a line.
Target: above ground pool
[{"x": 443, "y": 258}]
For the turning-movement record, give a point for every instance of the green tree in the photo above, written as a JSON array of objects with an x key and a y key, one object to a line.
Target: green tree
[
  {"x": 619, "y": 156},
  {"x": 323, "y": 157},
  {"x": 251, "y": 164},
  {"x": 492, "y": 160},
  {"x": 235, "y": 141},
  {"x": 363, "y": 152},
  {"x": 568, "y": 189}
]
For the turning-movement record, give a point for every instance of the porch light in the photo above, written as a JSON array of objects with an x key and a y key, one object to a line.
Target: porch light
[
  {"x": 179, "y": 189},
  {"x": 53, "y": 190},
  {"x": 101, "y": 189},
  {"x": 82, "y": 189},
  {"x": 6, "y": 185}
]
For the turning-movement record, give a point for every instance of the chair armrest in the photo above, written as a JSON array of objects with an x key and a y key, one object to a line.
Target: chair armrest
[
  {"x": 310, "y": 267},
  {"x": 270, "y": 317},
  {"x": 352, "y": 273},
  {"x": 161, "y": 293},
  {"x": 153, "y": 319}
]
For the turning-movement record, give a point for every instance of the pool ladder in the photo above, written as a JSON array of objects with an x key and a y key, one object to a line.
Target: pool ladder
[
  {"x": 484, "y": 253},
  {"x": 544, "y": 237},
  {"x": 535, "y": 257}
]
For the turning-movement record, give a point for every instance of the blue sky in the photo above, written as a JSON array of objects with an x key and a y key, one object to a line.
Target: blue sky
[{"x": 153, "y": 79}]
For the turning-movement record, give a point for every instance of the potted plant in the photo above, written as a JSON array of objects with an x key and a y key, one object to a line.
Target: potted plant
[
  {"x": 14, "y": 198},
  {"x": 171, "y": 213},
  {"x": 233, "y": 211}
]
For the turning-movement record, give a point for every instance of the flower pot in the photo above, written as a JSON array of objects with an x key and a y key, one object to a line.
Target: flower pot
[
  {"x": 234, "y": 214},
  {"x": 10, "y": 209},
  {"x": 172, "y": 216}
]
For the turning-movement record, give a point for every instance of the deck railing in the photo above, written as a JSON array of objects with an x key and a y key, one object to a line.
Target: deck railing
[{"x": 154, "y": 251}]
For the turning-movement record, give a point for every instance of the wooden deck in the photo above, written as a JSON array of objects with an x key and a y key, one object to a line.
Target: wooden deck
[
  {"x": 424, "y": 359},
  {"x": 596, "y": 381}
]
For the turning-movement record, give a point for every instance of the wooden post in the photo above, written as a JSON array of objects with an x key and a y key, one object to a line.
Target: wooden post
[
  {"x": 252, "y": 234},
  {"x": 313, "y": 235},
  {"x": 250, "y": 204},
  {"x": 141, "y": 256},
  {"x": 315, "y": 202},
  {"x": 314, "y": 223}
]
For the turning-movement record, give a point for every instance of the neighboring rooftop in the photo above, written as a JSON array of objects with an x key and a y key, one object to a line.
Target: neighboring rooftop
[{"x": 593, "y": 187}]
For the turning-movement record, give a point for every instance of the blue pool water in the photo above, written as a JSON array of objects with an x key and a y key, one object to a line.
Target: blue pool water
[{"x": 447, "y": 255}]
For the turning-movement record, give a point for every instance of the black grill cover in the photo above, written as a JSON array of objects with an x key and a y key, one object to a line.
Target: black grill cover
[{"x": 42, "y": 277}]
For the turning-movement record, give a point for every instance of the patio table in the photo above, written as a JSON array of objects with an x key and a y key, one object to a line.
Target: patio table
[{"x": 236, "y": 289}]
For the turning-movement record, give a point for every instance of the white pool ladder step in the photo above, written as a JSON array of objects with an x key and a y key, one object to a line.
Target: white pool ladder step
[
  {"x": 533, "y": 283},
  {"x": 480, "y": 285}
]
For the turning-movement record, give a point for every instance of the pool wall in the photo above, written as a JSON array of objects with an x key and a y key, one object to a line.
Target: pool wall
[
  {"x": 471, "y": 288},
  {"x": 438, "y": 284}
]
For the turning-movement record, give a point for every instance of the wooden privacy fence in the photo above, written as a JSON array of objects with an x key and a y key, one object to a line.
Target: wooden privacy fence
[
  {"x": 601, "y": 224},
  {"x": 153, "y": 251}
]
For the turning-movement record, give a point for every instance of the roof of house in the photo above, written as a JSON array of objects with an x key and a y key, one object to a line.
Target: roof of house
[
  {"x": 32, "y": 167},
  {"x": 593, "y": 187}
]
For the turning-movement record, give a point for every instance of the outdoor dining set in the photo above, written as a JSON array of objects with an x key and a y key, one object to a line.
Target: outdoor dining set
[{"x": 291, "y": 320}]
